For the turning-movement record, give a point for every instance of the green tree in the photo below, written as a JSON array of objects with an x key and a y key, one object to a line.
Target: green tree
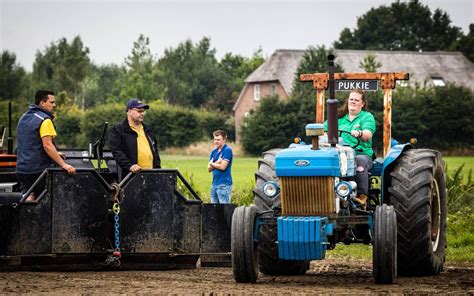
[
  {"x": 401, "y": 26},
  {"x": 438, "y": 117},
  {"x": 100, "y": 85},
  {"x": 448, "y": 113},
  {"x": 233, "y": 70},
  {"x": 191, "y": 73},
  {"x": 370, "y": 64},
  {"x": 241, "y": 67},
  {"x": 12, "y": 77},
  {"x": 315, "y": 60},
  {"x": 62, "y": 67},
  {"x": 466, "y": 44},
  {"x": 142, "y": 78},
  {"x": 272, "y": 125},
  {"x": 67, "y": 122}
]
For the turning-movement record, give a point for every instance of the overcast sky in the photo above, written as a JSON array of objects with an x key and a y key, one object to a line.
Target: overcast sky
[{"x": 109, "y": 28}]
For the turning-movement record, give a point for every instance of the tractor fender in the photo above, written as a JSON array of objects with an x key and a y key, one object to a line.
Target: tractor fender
[{"x": 388, "y": 164}]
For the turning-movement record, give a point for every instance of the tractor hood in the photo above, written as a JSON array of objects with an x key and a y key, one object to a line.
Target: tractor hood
[{"x": 302, "y": 161}]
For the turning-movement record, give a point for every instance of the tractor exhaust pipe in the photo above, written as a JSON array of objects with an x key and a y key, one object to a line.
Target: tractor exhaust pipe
[{"x": 332, "y": 102}]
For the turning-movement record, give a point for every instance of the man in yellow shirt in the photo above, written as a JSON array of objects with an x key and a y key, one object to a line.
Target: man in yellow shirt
[
  {"x": 35, "y": 146},
  {"x": 133, "y": 144}
]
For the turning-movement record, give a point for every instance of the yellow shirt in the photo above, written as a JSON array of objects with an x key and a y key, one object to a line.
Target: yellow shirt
[
  {"x": 47, "y": 129},
  {"x": 145, "y": 156}
]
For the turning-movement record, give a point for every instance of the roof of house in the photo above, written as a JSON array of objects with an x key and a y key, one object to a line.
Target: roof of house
[
  {"x": 422, "y": 66},
  {"x": 281, "y": 66}
]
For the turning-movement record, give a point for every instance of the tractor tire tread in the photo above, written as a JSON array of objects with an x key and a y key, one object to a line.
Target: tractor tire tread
[{"x": 410, "y": 194}]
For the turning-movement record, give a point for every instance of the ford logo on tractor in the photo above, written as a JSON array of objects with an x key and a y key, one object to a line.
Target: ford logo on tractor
[{"x": 301, "y": 163}]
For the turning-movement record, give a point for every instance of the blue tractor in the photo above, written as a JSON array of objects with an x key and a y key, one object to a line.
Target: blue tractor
[{"x": 304, "y": 200}]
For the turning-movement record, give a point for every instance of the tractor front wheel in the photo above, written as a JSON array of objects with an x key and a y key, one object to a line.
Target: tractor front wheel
[
  {"x": 385, "y": 245},
  {"x": 244, "y": 251}
]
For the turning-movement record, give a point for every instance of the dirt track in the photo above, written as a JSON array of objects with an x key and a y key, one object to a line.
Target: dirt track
[{"x": 327, "y": 277}]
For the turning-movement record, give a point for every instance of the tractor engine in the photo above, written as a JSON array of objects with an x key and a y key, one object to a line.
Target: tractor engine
[{"x": 312, "y": 181}]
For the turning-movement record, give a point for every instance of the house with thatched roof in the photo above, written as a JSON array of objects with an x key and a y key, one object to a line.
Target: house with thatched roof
[{"x": 276, "y": 75}]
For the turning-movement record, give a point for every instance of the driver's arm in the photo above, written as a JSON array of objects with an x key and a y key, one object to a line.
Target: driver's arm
[
  {"x": 364, "y": 135},
  {"x": 367, "y": 128}
]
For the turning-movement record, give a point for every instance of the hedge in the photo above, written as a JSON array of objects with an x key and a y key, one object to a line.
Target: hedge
[{"x": 173, "y": 125}]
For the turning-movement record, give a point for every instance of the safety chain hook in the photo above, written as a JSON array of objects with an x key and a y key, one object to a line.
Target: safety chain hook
[
  {"x": 114, "y": 258},
  {"x": 116, "y": 209},
  {"x": 117, "y": 193}
]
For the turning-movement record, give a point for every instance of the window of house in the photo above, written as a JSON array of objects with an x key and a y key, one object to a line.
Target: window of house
[
  {"x": 273, "y": 89},
  {"x": 256, "y": 92},
  {"x": 438, "y": 81}
]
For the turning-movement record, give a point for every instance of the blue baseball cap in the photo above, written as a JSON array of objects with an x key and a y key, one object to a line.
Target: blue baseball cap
[{"x": 136, "y": 103}]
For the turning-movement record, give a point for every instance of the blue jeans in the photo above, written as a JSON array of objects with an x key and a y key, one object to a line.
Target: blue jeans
[
  {"x": 363, "y": 167},
  {"x": 220, "y": 194}
]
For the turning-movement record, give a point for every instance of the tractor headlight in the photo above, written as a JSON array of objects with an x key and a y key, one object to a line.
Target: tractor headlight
[
  {"x": 270, "y": 189},
  {"x": 344, "y": 189}
]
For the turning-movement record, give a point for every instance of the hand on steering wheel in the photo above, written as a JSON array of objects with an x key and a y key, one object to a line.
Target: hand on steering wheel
[{"x": 349, "y": 133}]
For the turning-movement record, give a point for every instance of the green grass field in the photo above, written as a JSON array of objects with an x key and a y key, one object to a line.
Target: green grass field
[
  {"x": 195, "y": 168},
  {"x": 244, "y": 168},
  {"x": 454, "y": 162}
]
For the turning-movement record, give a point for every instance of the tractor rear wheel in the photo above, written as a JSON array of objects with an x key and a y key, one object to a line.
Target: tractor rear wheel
[
  {"x": 269, "y": 262},
  {"x": 384, "y": 252},
  {"x": 418, "y": 194},
  {"x": 244, "y": 251}
]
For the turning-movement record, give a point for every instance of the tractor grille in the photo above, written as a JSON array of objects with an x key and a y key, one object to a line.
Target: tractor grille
[{"x": 307, "y": 195}]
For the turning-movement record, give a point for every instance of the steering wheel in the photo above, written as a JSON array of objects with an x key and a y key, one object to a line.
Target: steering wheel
[{"x": 347, "y": 132}]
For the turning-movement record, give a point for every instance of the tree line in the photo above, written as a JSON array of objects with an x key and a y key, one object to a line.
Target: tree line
[
  {"x": 188, "y": 75},
  {"x": 407, "y": 26},
  {"x": 188, "y": 81},
  {"x": 191, "y": 78}
]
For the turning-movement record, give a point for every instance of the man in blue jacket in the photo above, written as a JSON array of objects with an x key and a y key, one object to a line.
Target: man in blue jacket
[
  {"x": 35, "y": 146},
  {"x": 220, "y": 164}
]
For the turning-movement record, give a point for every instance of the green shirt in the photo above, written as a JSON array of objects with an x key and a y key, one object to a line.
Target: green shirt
[{"x": 363, "y": 121}]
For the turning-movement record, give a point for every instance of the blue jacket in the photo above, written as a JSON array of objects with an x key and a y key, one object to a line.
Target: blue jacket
[{"x": 31, "y": 156}]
